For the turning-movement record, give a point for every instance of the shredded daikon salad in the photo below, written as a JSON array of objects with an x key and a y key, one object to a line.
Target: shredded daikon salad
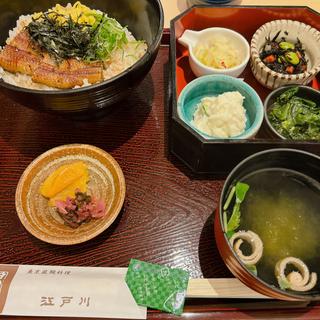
[
  {"x": 222, "y": 116},
  {"x": 220, "y": 53}
]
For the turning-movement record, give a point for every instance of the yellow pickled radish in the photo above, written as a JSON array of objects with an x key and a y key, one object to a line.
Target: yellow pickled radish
[
  {"x": 78, "y": 185},
  {"x": 64, "y": 178}
]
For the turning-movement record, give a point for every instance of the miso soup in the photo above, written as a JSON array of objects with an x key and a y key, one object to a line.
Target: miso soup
[{"x": 282, "y": 207}]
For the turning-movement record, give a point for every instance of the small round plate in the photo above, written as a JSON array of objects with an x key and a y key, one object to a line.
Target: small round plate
[{"x": 106, "y": 182}]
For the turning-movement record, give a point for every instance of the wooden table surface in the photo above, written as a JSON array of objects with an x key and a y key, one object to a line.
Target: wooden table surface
[{"x": 168, "y": 213}]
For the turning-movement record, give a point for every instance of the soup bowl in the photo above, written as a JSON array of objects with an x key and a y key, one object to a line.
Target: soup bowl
[
  {"x": 285, "y": 160},
  {"x": 144, "y": 19}
]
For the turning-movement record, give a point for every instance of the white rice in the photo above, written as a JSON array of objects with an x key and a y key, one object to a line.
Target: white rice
[{"x": 120, "y": 60}]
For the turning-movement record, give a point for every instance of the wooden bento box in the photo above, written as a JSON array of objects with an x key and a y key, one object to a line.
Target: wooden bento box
[{"x": 220, "y": 156}]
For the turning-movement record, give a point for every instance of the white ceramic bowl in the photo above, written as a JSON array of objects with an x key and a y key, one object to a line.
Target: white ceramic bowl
[
  {"x": 191, "y": 39},
  {"x": 310, "y": 39}
]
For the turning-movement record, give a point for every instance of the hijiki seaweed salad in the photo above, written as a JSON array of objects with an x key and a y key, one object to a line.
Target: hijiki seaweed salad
[
  {"x": 284, "y": 56},
  {"x": 67, "y": 47}
]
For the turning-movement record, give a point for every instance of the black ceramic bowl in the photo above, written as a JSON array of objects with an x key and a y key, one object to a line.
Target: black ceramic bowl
[
  {"x": 298, "y": 161},
  {"x": 144, "y": 18},
  {"x": 303, "y": 92}
]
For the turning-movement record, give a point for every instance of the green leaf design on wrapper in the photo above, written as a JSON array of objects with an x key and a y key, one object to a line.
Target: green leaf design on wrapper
[{"x": 157, "y": 286}]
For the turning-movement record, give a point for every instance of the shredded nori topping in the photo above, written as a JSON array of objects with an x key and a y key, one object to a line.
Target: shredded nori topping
[{"x": 69, "y": 39}]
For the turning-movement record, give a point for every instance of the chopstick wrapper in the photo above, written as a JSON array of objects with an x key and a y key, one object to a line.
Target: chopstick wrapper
[{"x": 31, "y": 290}]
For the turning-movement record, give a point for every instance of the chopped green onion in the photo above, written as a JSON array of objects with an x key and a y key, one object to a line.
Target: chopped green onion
[{"x": 230, "y": 196}]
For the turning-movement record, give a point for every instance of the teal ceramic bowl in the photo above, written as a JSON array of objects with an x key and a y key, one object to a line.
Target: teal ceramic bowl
[{"x": 213, "y": 85}]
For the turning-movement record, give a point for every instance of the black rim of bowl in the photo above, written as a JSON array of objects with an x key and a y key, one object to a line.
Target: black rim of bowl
[
  {"x": 136, "y": 65},
  {"x": 227, "y": 183}
]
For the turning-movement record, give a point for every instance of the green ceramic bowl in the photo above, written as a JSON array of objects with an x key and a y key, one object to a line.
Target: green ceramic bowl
[{"x": 213, "y": 85}]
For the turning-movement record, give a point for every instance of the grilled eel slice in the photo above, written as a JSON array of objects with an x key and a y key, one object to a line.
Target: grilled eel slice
[{"x": 24, "y": 56}]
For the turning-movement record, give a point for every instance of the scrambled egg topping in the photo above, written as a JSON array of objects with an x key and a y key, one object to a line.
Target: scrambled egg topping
[
  {"x": 78, "y": 13},
  {"x": 65, "y": 181}
]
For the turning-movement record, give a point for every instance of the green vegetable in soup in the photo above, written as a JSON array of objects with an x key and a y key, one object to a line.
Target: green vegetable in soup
[
  {"x": 230, "y": 197},
  {"x": 283, "y": 284},
  {"x": 295, "y": 117},
  {"x": 238, "y": 192},
  {"x": 252, "y": 268},
  {"x": 241, "y": 190}
]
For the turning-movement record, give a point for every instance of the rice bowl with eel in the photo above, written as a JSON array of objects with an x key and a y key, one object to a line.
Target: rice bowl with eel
[{"x": 101, "y": 49}]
